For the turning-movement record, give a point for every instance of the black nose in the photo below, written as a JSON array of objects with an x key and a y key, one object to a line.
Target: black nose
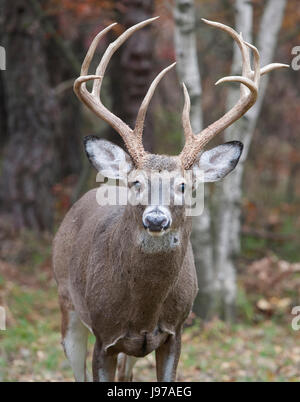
[{"x": 155, "y": 222}]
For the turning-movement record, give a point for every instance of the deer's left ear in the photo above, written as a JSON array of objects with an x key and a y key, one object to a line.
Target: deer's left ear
[{"x": 217, "y": 162}]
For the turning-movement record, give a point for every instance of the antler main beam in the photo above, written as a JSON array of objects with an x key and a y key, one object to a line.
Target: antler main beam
[
  {"x": 131, "y": 138},
  {"x": 249, "y": 91}
]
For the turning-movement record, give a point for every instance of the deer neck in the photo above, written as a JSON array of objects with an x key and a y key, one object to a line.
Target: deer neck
[
  {"x": 150, "y": 265},
  {"x": 136, "y": 243},
  {"x": 149, "y": 270}
]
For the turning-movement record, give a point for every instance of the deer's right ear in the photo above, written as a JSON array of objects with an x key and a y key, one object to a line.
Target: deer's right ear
[{"x": 109, "y": 159}]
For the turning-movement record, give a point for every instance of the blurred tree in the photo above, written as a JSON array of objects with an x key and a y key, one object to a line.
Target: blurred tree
[
  {"x": 228, "y": 194},
  {"x": 132, "y": 70},
  {"x": 216, "y": 233},
  {"x": 28, "y": 167},
  {"x": 68, "y": 143},
  {"x": 3, "y": 115},
  {"x": 63, "y": 66},
  {"x": 189, "y": 73}
]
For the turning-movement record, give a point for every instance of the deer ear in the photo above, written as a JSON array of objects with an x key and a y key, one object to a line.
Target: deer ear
[
  {"x": 217, "y": 162},
  {"x": 109, "y": 159}
]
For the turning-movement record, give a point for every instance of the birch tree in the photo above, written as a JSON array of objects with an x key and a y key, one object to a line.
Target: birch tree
[
  {"x": 227, "y": 201},
  {"x": 189, "y": 73},
  {"x": 214, "y": 254}
]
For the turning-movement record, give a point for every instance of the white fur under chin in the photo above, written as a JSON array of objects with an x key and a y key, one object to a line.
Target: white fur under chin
[{"x": 156, "y": 242}]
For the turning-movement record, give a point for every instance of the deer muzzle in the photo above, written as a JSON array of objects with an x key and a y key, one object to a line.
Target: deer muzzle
[{"x": 157, "y": 219}]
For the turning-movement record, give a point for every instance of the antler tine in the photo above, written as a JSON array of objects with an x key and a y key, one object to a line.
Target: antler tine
[
  {"x": 90, "y": 53},
  {"x": 239, "y": 40},
  {"x": 92, "y": 99},
  {"x": 139, "y": 125},
  {"x": 249, "y": 79},
  {"x": 112, "y": 49},
  {"x": 79, "y": 84},
  {"x": 236, "y": 78},
  {"x": 186, "y": 123},
  {"x": 270, "y": 67},
  {"x": 246, "y": 63},
  {"x": 256, "y": 74},
  {"x": 273, "y": 66}
]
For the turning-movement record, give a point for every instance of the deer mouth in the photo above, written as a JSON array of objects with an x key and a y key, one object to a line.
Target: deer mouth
[{"x": 157, "y": 233}]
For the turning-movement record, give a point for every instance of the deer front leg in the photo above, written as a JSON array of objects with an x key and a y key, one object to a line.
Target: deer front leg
[
  {"x": 74, "y": 341},
  {"x": 104, "y": 366},
  {"x": 167, "y": 356}
]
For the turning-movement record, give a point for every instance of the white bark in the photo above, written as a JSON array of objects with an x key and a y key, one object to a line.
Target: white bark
[
  {"x": 188, "y": 71},
  {"x": 227, "y": 200},
  {"x": 186, "y": 56},
  {"x": 215, "y": 262}
]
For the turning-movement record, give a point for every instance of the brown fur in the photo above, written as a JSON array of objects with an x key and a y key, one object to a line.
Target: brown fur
[{"x": 133, "y": 301}]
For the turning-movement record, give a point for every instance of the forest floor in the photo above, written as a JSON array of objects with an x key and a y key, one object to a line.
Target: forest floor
[{"x": 264, "y": 349}]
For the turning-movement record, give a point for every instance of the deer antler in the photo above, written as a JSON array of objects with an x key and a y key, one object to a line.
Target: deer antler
[
  {"x": 249, "y": 90},
  {"x": 131, "y": 138},
  {"x": 193, "y": 143}
]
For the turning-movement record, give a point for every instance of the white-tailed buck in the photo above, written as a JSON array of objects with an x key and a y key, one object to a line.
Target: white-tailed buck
[{"x": 127, "y": 272}]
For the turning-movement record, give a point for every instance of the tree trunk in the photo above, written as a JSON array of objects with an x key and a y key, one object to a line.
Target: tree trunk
[
  {"x": 3, "y": 114},
  {"x": 68, "y": 141},
  {"x": 28, "y": 169},
  {"x": 63, "y": 66},
  {"x": 186, "y": 57},
  {"x": 132, "y": 69},
  {"x": 189, "y": 73},
  {"x": 227, "y": 199}
]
